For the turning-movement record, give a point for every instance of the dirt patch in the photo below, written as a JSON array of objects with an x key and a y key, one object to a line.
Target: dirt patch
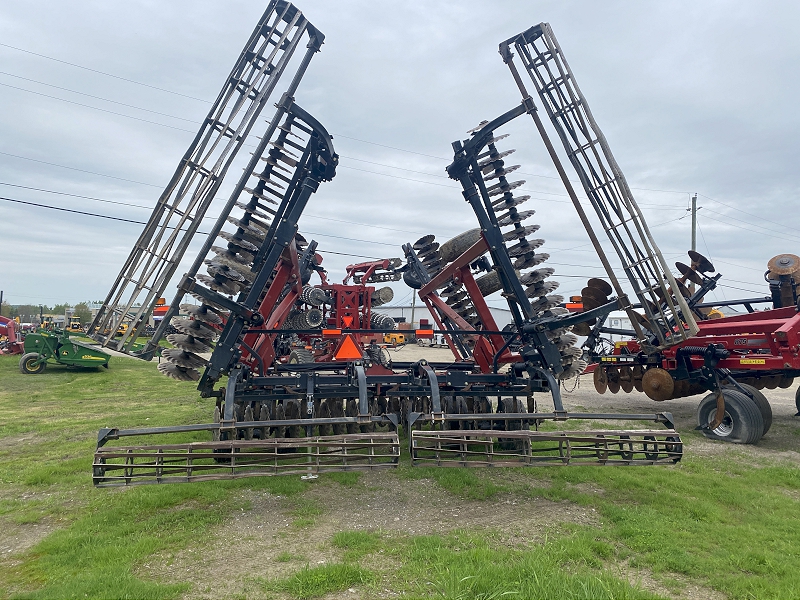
[
  {"x": 672, "y": 586},
  {"x": 266, "y": 543},
  {"x": 17, "y": 538}
]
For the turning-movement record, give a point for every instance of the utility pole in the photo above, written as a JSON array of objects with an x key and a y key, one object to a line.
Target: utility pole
[
  {"x": 413, "y": 306},
  {"x": 694, "y": 232}
]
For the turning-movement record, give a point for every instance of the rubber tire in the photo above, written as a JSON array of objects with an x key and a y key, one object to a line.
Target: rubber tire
[
  {"x": 489, "y": 283},
  {"x": 797, "y": 401},
  {"x": 23, "y": 364},
  {"x": 763, "y": 405},
  {"x": 746, "y": 425},
  {"x": 455, "y": 247}
]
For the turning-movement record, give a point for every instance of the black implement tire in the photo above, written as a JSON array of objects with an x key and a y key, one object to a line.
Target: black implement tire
[
  {"x": 452, "y": 249},
  {"x": 763, "y": 405},
  {"x": 26, "y": 365},
  {"x": 797, "y": 401},
  {"x": 742, "y": 423}
]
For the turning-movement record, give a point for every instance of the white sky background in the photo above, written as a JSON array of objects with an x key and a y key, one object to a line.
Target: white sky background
[{"x": 692, "y": 97}]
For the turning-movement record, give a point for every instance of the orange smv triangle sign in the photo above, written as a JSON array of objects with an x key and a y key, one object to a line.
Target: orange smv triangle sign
[{"x": 348, "y": 350}]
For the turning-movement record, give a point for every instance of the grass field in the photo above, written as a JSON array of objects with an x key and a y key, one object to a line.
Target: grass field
[{"x": 718, "y": 525}]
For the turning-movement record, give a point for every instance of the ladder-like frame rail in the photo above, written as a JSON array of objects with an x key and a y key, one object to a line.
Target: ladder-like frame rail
[
  {"x": 670, "y": 321},
  {"x": 195, "y": 183}
]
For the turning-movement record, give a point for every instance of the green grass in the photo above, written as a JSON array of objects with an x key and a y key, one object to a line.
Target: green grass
[
  {"x": 47, "y": 437},
  {"x": 727, "y": 522},
  {"x": 313, "y": 582}
]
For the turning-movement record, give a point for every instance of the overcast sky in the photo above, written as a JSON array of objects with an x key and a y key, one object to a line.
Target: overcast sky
[{"x": 692, "y": 97}]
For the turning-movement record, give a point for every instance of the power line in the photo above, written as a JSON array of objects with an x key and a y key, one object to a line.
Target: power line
[
  {"x": 71, "y": 210},
  {"x": 96, "y": 108},
  {"x": 90, "y": 214},
  {"x": 744, "y": 211},
  {"x": 25, "y": 187},
  {"x": 44, "y": 162},
  {"x": 155, "y": 112},
  {"x": 344, "y": 166},
  {"x": 335, "y": 135},
  {"x": 102, "y": 72},
  {"x": 774, "y": 234},
  {"x": 741, "y": 221}
]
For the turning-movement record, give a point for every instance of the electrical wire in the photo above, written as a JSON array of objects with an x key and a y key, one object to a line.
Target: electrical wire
[
  {"x": 25, "y": 187},
  {"x": 155, "y": 112},
  {"x": 745, "y": 212},
  {"x": 653, "y": 207},
  {"x": 153, "y": 87},
  {"x": 90, "y": 214},
  {"x": 774, "y": 235},
  {"x": 337, "y": 135},
  {"x": 657, "y": 207},
  {"x": 44, "y": 162},
  {"x": 96, "y": 108},
  {"x": 72, "y": 210},
  {"x": 767, "y": 229}
]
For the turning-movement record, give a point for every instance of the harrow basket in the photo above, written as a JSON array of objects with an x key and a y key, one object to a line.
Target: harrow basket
[
  {"x": 474, "y": 448},
  {"x": 203, "y": 461}
]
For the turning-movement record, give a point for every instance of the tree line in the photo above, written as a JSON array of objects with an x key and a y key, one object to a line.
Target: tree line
[{"x": 29, "y": 312}]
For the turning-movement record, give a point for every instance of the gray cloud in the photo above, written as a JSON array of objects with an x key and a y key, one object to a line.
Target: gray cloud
[{"x": 693, "y": 97}]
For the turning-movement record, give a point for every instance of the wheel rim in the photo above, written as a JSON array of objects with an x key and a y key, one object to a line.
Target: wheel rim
[
  {"x": 725, "y": 428},
  {"x": 30, "y": 364}
]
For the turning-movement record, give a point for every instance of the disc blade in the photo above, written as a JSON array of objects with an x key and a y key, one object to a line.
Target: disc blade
[
  {"x": 182, "y": 358},
  {"x": 180, "y": 373},
  {"x": 701, "y": 263},
  {"x": 188, "y": 343},
  {"x": 600, "y": 284},
  {"x": 689, "y": 273},
  {"x": 784, "y": 264}
]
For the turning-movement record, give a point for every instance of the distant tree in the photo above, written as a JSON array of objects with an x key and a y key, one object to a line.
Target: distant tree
[
  {"x": 29, "y": 312},
  {"x": 6, "y": 310},
  {"x": 60, "y": 309},
  {"x": 82, "y": 311}
]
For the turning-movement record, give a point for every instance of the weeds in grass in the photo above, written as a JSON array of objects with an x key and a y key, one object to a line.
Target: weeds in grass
[
  {"x": 356, "y": 544},
  {"x": 347, "y": 478},
  {"x": 313, "y": 582},
  {"x": 461, "y": 482},
  {"x": 305, "y": 511}
]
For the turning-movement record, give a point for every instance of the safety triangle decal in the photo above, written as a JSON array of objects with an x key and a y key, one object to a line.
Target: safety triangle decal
[{"x": 348, "y": 350}]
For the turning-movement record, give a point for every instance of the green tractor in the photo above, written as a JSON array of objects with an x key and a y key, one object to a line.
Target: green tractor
[{"x": 45, "y": 345}]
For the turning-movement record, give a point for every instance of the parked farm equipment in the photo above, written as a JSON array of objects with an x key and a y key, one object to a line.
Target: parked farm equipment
[
  {"x": 183, "y": 204},
  {"x": 12, "y": 342},
  {"x": 744, "y": 353},
  {"x": 722, "y": 356},
  {"x": 308, "y": 390},
  {"x": 55, "y": 345}
]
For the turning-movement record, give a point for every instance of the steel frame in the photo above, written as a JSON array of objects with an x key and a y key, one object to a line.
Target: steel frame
[
  {"x": 670, "y": 322},
  {"x": 183, "y": 204}
]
